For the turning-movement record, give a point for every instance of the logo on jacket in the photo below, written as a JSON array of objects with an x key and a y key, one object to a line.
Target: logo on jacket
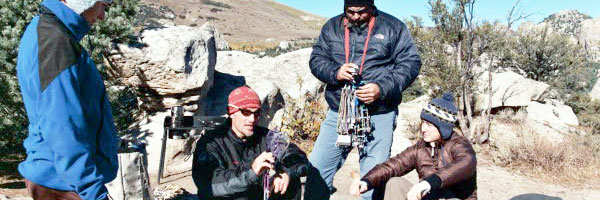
[{"x": 380, "y": 36}]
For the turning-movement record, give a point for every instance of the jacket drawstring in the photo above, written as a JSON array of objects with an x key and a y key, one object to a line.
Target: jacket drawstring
[{"x": 432, "y": 149}]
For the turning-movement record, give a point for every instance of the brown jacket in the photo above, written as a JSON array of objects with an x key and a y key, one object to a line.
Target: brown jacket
[{"x": 453, "y": 170}]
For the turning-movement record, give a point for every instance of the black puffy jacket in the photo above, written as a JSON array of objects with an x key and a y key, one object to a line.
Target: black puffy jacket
[
  {"x": 222, "y": 169},
  {"x": 392, "y": 61}
]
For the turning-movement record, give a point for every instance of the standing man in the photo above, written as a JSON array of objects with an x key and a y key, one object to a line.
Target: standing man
[
  {"x": 71, "y": 147},
  {"x": 379, "y": 49}
]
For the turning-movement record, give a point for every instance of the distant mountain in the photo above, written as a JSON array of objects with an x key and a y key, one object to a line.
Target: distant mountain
[{"x": 241, "y": 22}]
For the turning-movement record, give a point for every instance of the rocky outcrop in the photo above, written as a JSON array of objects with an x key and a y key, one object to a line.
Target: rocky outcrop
[
  {"x": 581, "y": 29},
  {"x": 510, "y": 90},
  {"x": 174, "y": 64},
  {"x": 590, "y": 37},
  {"x": 554, "y": 115},
  {"x": 567, "y": 22},
  {"x": 283, "y": 78}
]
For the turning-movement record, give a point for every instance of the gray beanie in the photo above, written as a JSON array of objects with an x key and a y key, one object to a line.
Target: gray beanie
[{"x": 81, "y": 5}]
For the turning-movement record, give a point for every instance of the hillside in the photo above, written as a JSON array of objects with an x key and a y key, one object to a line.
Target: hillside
[
  {"x": 242, "y": 22},
  {"x": 567, "y": 22}
]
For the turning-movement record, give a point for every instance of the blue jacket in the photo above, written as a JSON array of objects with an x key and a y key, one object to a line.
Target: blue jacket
[
  {"x": 392, "y": 60},
  {"x": 72, "y": 138}
]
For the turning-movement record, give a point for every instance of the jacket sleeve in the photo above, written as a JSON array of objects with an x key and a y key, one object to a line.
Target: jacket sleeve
[
  {"x": 66, "y": 131},
  {"x": 397, "y": 166},
  {"x": 213, "y": 179},
  {"x": 407, "y": 64},
  {"x": 294, "y": 162},
  {"x": 462, "y": 168},
  {"x": 322, "y": 64}
]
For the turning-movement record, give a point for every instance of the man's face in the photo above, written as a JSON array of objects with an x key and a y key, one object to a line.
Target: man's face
[
  {"x": 243, "y": 122},
  {"x": 359, "y": 14},
  {"x": 95, "y": 13}
]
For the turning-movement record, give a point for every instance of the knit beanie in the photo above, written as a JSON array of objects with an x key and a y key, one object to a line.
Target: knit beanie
[
  {"x": 441, "y": 113},
  {"x": 242, "y": 98},
  {"x": 81, "y": 5},
  {"x": 348, "y": 3}
]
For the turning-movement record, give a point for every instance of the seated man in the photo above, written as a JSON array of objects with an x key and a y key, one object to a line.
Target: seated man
[
  {"x": 443, "y": 158},
  {"x": 230, "y": 164}
]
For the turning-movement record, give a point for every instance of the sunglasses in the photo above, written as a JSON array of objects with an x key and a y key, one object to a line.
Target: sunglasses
[{"x": 247, "y": 112}]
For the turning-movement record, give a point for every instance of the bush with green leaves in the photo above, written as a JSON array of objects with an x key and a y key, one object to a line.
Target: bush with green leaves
[
  {"x": 124, "y": 105},
  {"x": 16, "y": 15}
]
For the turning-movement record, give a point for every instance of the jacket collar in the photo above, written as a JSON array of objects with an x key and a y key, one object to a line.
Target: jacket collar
[{"x": 73, "y": 21}]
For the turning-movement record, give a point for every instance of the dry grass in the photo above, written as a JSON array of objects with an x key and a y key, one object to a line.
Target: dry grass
[
  {"x": 253, "y": 46},
  {"x": 574, "y": 161}
]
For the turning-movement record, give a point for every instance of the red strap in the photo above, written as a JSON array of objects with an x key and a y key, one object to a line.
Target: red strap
[{"x": 347, "y": 42}]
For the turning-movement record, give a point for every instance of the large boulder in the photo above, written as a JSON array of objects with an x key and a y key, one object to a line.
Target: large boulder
[
  {"x": 283, "y": 78},
  {"x": 595, "y": 93},
  {"x": 555, "y": 115},
  {"x": 409, "y": 118},
  {"x": 510, "y": 90},
  {"x": 174, "y": 63}
]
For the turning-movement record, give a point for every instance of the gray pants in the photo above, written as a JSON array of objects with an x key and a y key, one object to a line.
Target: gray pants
[{"x": 397, "y": 188}]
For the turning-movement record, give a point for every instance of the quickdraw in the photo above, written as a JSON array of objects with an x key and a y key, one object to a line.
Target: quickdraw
[{"x": 354, "y": 122}]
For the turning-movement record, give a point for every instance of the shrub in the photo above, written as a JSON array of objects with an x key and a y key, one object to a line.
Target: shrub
[
  {"x": 587, "y": 111},
  {"x": 572, "y": 161},
  {"x": 124, "y": 105},
  {"x": 303, "y": 122}
]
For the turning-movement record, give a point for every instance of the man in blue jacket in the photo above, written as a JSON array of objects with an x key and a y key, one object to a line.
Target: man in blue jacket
[
  {"x": 71, "y": 147},
  {"x": 379, "y": 49}
]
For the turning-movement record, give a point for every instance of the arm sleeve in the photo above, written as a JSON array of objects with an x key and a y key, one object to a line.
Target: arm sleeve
[
  {"x": 462, "y": 168},
  {"x": 397, "y": 166},
  {"x": 213, "y": 179},
  {"x": 294, "y": 162},
  {"x": 67, "y": 132},
  {"x": 406, "y": 66},
  {"x": 322, "y": 64}
]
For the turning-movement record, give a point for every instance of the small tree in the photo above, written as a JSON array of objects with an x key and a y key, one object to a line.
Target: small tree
[{"x": 451, "y": 51}]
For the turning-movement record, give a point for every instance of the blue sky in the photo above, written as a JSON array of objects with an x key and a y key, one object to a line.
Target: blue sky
[{"x": 490, "y": 10}]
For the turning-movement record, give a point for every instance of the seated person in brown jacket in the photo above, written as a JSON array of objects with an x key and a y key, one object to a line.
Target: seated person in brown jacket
[{"x": 443, "y": 158}]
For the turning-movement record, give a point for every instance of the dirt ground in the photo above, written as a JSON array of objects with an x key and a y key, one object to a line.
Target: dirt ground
[{"x": 493, "y": 182}]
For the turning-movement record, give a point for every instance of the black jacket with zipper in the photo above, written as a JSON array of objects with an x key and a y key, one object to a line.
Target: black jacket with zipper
[
  {"x": 222, "y": 166},
  {"x": 392, "y": 61}
]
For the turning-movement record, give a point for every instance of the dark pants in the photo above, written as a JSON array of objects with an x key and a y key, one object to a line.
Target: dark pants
[{"x": 38, "y": 192}]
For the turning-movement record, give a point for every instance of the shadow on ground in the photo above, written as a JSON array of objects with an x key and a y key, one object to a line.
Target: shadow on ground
[
  {"x": 13, "y": 185},
  {"x": 8, "y": 167},
  {"x": 532, "y": 196}
]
